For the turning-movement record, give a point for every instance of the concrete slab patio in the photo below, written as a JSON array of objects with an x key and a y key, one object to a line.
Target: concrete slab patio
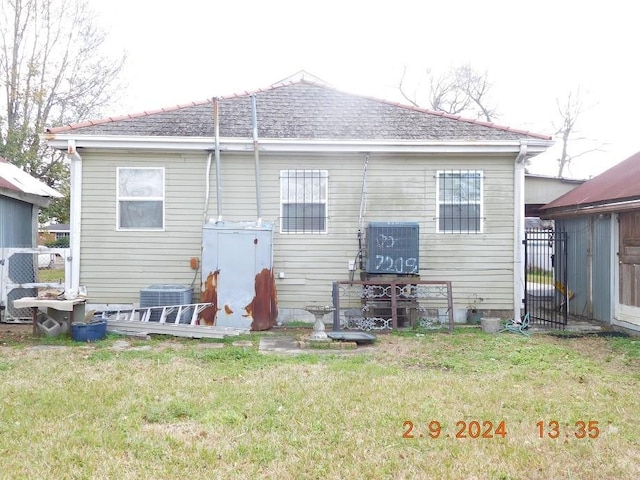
[{"x": 290, "y": 345}]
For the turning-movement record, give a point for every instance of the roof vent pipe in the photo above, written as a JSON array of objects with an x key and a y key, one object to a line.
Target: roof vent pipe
[
  {"x": 207, "y": 186},
  {"x": 256, "y": 153},
  {"x": 216, "y": 134}
]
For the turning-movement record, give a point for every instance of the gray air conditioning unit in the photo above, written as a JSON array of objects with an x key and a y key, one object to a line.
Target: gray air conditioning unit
[
  {"x": 164, "y": 295},
  {"x": 392, "y": 248}
]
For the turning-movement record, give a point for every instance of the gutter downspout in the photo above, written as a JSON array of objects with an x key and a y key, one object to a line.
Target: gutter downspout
[
  {"x": 73, "y": 283},
  {"x": 518, "y": 231},
  {"x": 256, "y": 154},
  {"x": 216, "y": 130}
]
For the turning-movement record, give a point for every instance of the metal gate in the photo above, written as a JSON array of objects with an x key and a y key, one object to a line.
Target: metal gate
[
  {"x": 547, "y": 294},
  {"x": 20, "y": 272}
]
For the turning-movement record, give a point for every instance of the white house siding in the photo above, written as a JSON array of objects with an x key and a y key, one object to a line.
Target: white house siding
[
  {"x": 399, "y": 188},
  {"x": 480, "y": 264},
  {"x": 116, "y": 265}
]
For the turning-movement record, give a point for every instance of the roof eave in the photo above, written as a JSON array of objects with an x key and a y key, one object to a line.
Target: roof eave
[
  {"x": 33, "y": 199},
  {"x": 594, "y": 209},
  {"x": 60, "y": 141}
]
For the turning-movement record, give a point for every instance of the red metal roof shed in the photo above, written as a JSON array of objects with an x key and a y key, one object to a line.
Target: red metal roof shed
[{"x": 617, "y": 188}]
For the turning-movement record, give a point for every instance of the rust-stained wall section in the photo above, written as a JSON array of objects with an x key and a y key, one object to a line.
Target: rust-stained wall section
[
  {"x": 210, "y": 294},
  {"x": 264, "y": 306}
]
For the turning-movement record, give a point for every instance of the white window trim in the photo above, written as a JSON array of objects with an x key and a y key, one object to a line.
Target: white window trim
[
  {"x": 325, "y": 201},
  {"x": 118, "y": 199},
  {"x": 438, "y": 203}
]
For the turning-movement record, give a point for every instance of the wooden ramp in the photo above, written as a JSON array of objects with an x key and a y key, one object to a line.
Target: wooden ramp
[{"x": 175, "y": 320}]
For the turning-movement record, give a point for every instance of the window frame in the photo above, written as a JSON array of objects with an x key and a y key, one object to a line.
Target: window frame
[
  {"x": 120, "y": 198},
  {"x": 479, "y": 202},
  {"x": 323, "y": 175}
]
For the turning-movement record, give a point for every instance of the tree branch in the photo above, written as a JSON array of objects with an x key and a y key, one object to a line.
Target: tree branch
[{"x": 412, "y": 101}]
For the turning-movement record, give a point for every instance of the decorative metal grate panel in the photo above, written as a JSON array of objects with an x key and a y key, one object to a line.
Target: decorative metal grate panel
[{"x": 385, "y": 305}]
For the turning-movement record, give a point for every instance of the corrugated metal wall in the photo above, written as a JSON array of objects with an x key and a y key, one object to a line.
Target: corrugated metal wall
[
  {"x": 602, "y": 268},
  {"x": 585, "y": 234},
  {"x": 577, "y": 234},
  {"x": 15, "y": 223}
]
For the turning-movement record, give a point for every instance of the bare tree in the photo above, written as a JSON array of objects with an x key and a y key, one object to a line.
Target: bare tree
[
  {"x": 460, "y": 90},
  {"x": 52, "y": 72},
  {"x": 476, "y": 87},
  {"x": 570, "y": 110},
  {"x": 411, "y": 98}
]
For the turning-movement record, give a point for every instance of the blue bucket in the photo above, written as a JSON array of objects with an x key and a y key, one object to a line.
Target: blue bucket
[{"x": 89, "y": 332}]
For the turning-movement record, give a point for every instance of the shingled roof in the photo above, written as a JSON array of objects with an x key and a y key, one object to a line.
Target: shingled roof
[
  {"x": 301, "y": 110},
  {"x": 620, "y": 183}
]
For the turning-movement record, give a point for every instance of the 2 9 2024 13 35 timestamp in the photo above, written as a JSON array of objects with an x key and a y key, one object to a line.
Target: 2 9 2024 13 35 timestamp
[{"x": 579, "y": 429}]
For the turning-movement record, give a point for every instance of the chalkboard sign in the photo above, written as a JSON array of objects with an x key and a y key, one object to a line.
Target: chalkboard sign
[{"x": 392, "y": 248}]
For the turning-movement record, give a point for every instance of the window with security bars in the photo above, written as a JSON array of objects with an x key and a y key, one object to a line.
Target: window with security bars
[
  {"x": 459, "y": 203},
  {"x": 303, "y": 199}
]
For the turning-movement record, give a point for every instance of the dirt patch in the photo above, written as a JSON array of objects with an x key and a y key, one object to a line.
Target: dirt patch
[
  {"x": 15, "y": 332},
  {"x": 395, "y": 349},
  {"x": 293, "y": 331},
  {"x": 603, "y": 334},
  {"x": 184, "y": 432},
  {"x": 596, "y": 347}
]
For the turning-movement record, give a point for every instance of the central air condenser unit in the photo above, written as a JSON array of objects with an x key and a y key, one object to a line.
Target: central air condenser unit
[
  {"x": 165, "y": 295},
  {"x": 392, "y": 248}
]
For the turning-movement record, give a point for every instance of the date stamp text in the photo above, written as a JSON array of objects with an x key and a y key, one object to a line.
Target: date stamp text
[{"x": 490, "y": 429}]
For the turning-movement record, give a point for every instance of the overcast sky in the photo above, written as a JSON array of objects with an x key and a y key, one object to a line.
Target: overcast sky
[{"x": 534, "y": 52}]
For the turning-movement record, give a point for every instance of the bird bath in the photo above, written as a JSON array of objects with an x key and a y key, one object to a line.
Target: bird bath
[{"x": 319, "y": 311}]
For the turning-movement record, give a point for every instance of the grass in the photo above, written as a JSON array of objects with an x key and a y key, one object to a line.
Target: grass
[
  {"x": 53, "y": 275},
  {"x": 180, "y": 410},
  {"x": 537, "y": 275}
]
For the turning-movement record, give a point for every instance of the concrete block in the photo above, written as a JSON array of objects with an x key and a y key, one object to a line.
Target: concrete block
[
  {"x": 490, "y": 324},
  {"x": 49, "y": 327}
]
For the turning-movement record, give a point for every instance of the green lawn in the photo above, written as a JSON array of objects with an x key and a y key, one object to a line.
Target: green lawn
[
  {"x": 51, "y": 275},
  {"x": 179, "y": 410},
  {"x": 536, "y": 275}
]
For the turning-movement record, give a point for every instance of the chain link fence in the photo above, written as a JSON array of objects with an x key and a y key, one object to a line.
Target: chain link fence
[{"x": 24, "y": 272}]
